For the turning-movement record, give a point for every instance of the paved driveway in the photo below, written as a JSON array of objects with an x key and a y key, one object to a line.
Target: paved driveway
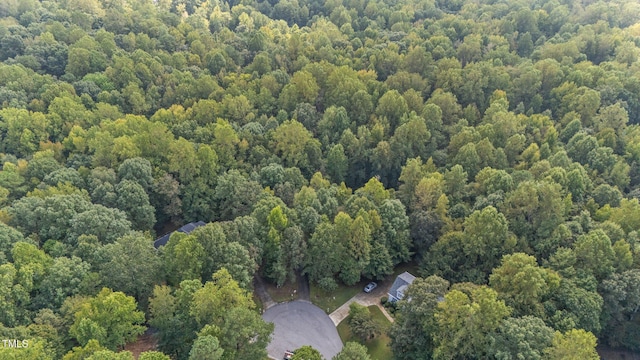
[
  {"x": 363, "y": 298},
  {"x": 299, "y": 323}
]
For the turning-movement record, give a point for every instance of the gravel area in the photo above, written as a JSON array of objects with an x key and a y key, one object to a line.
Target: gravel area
[{"x": 299, "y": 323}]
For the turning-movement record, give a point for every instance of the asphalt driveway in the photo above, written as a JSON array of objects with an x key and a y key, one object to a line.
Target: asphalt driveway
[{"x": 299, "y": 323}]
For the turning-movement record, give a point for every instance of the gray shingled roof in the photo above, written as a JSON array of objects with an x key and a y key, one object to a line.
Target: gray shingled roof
[
  {"x": 407, "y": 277},
  {"x": 187, "y": 229},
  {"x": 403, "y": 279}
]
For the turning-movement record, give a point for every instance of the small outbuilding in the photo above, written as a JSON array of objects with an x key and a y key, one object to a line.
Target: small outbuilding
[
  {"x": 400, "y": 286},
  {"x": 186, "y": 229}
]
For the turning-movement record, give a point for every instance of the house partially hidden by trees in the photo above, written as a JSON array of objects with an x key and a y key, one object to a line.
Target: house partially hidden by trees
[
  {"x": 400, "y": 286},
  {"x": 187, "y": 229}
]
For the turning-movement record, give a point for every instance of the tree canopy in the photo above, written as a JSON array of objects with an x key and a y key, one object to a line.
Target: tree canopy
[{"x": 493, "y": 146}]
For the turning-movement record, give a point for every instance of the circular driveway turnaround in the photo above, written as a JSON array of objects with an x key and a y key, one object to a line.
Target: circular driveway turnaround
[{"x": 300, "y": 323}]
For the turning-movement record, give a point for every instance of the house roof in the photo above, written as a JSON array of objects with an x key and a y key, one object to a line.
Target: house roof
[
  {"x": 162, "y": 241},
  {"x": 407, "y": 277},
  {"x": 187, "y": 229},
  {"x": 403, "y": 280},
  {"x": 191, "y": 226}
]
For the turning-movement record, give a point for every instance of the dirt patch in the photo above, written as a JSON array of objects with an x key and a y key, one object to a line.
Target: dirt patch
[
  {"x": 303, "y": 287},
  {"x": 145, "y": 342}
]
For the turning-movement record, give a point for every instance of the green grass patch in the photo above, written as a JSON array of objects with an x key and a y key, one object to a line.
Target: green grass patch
[
  {"x": 329, "y": 301},
  {"x": 345, "y": 332},
  {"x": 287, "y": 292},
  {"x": 379, "y": 317},
  {"x": 378, "y": 347}
]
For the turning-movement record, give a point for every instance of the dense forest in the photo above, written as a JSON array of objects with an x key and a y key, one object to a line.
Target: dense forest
[{"x": 496, "y": 143}]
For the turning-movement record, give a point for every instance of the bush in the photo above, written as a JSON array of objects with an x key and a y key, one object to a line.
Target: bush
[
  {"x": 328, "y": 284},
  {"x": 384, "y": 300}
]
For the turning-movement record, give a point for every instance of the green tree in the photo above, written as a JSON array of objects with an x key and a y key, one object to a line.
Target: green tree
[
  {"x": 105, "y": 223},
  {"x": 133, "y": 200},
  {"x": 235, "y": 195},
  {"x": 306, "y": 353},
  {"x": 165, "y": 198},
  {"x": 534, "y": 209},
  {"x": 355, "y": 235},
  {"x": 352, "y": 351},
  {"x": 337, "y": 163},
  {"x": 78, "y": 352},
  {"x": 57, "y": 216},
  {"x": 486, "y": 239},
  {"x": 362, "y": 323},
  {"x": 169, "y": 313},
  {"x": 526, "y": 337},
  {"x": 291, "y": 141},
  {"x": 8, "y": 237},
  {"x": 132, "y": 266},
  {"x": 109, "y": 317},
  {"x": 392, "y": 106},
  {"x": 220, "y": 252},
  {"x": 324, "y": 255},
  {"x": 65, "y": 277},
  {"x": 523, "y": 284},
  {"x": 412, "y": 332},
  {"x": 14, "y": 298},
  {"x": 183, "y": 257},
  {"x": 395, "y": 231},
  {"x": 206, "y": 347},
  {"x": 183, "y": 160},
  {"x": 594, "y": 254},
  {"x": 244, "y": 334},
  {"x": 342, "y": 84},
  {"x": 466, "y": 322},
  {"x": 578, "y": 306},
  {"x": 621, "y": 295},
  {"x": 108, "y": 354},
  {"x": 302, "y": 88},
  {"x": 217, "y": 297},
  {"x": 274, "y": 268},
  {"x": 627, "y": 215},
  {"x": 380, "y": 263},
  {"x": 574, "y": 344},
  {"x": 153, "y": 355},
  {"x": 31, "y": 264},
  {"x": 333, "y": 123},
  {"x": 36, "y": 349},
  {"x": 138, "y": 170}
]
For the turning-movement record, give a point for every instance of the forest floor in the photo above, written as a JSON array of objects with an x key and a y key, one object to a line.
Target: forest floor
[
  {"x": 145, "y": 342},
  {"x": 298, "y": 290},
  {"x": 607, "y": 353}
]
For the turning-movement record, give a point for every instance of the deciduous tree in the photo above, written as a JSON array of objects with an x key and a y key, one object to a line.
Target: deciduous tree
[{"x": 109, "y": 317}]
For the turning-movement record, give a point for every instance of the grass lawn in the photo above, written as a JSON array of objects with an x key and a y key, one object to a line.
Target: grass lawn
[
  {"x": 329, "y": 301},
  {"x": 287, "y": 292},
  {"x": 378, "y": 348}
]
